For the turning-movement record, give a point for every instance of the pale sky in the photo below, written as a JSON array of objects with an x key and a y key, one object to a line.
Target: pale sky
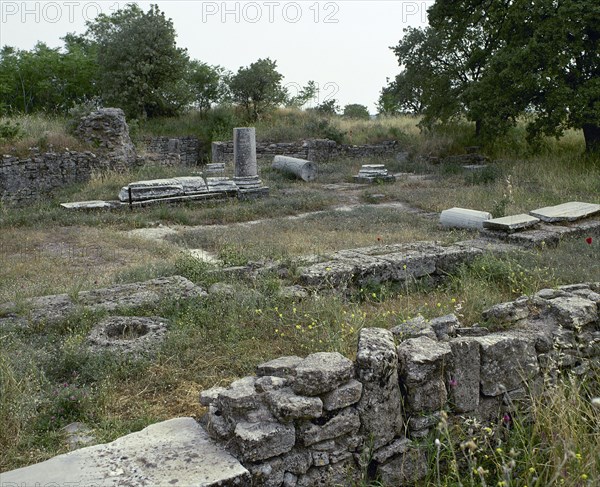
[{"x": 342, "y": 45}]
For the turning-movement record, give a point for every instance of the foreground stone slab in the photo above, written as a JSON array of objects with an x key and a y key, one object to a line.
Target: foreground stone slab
[
  {"x": 174, "y": 452},
  {"x": 464, "y": 218},
  {"x": 55, "y": 308},
  {"x": 511, "y": 223},
  {"x": 90, "y": 205},
  {"x": 571, "y": 211}
]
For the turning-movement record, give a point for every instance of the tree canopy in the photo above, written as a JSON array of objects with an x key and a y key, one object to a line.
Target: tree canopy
[{"x": 492, "y": 61}]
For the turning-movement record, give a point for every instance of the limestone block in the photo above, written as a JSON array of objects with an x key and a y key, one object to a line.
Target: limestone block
[
  {"x": 574, "y": 210},
  {"x": 422, "y": 359},
  {"x": 346, "y": 422},
  {"x": 279, "y": 367},
  {"x": 404, "y": 469},
  {"x": 445, "y": 326},
  {"x": 322, "y": 372},
  {"x": 345, "y": 395},
  {"x": 259, "y": 441},
  {"x": 153, "y": 189},
  {"x": 573, "y": 311},
  {"x": 416, "y": 327},
  {"x": 341, "y": 473},
  {"x": 504, "y": 313},
  {"x": 286, "y": 405},
  {"x": 511, "y": 223},
  {"x": 192, "y": 185},
  {"x": 464, "y": 218},
  {"x": 507, "y": 360},
  {"x": 463, "y": 375},
  {"x": 396, "y": 447},
  {"x": 380, "y": 406},
  {"x": 297, "y": 461},
  {"x": 174, "y": 451},
  {"x": 269, "y": 383},
  {"x": 209, "y": 396}
]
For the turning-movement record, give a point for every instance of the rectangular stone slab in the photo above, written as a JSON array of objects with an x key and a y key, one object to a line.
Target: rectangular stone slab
[
  {"x": 174, "y": 452},
  {"x": 574, "y": 210},
  {"x": 464, "y": 218},
  {"x": 511, "y": 223}
]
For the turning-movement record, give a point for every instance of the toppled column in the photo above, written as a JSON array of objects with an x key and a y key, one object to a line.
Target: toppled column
[
  {"x": 464, "y": 218},
  {"x": 245, "y": 165},
  {"x": 301, "y": 168}
]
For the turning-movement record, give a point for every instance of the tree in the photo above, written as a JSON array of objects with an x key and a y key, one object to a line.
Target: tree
[
  {"x": 307, "y": 93},
  {"x": 141, "y": 68},
  {"x": 206, "y": 83},
  {"x": 402, "y": 95},
  {"x": 328, "y": 107},
  {"x": 355, "y": 110},
  {"x": 257, "y": 88}
]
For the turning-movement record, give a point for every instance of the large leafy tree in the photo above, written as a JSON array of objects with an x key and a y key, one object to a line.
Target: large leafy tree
[
  {"x": 207, "y": 84},
  {"x": 257, "y": 88},
  {"x": 141, "y": 68}
]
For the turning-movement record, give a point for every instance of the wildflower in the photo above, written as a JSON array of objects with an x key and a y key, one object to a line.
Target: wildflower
[
  {"x": 589, "y": 240},
  {"x": 596, "y": 402},
  {"x": 452, "y": 382},
  {"x": 584, "y": 476},
  {"x": 506, "y": 418},
  {"x": 379, "y": 238},
  {"x": 531, "y": 470},
  {"x": 374, "y": 295}
]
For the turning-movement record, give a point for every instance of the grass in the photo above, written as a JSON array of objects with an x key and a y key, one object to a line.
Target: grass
[{"x": 45, "y": 250}]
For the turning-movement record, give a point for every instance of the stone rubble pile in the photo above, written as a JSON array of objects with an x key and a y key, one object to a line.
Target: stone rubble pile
[{"x": 324, "y": 420}]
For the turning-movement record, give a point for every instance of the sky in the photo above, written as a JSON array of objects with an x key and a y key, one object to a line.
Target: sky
[{"x": 342, "y": 45}]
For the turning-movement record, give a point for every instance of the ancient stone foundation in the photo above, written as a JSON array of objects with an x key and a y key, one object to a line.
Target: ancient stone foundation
[{"x": 325, "y": 420}]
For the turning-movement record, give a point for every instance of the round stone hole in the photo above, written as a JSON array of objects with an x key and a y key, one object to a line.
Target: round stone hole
[{"x": 128, "y": 334}]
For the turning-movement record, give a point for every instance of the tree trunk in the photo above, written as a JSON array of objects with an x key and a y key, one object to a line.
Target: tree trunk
[
  {"x": 478, "y": 128},
  {"x": 591, "y": 134}
]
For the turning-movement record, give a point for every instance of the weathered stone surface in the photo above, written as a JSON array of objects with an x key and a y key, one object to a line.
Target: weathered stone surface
[
  {"x": 209, "y": 396},
  {"x": 574, "y": 210},
  {"x": 339, "y": 474},
  {"x": 416, "y": 327},
  {"x": 293, "y": 292},
  {"x": 464, "y": 218},
  {"x": 107, "y": 130},
  {"x": 345, "y": 422},
  {"x": 423, "y": 422},
  {"x": 286, "y": 405},
  {"x": 297, "y": 461},
  {"x": 573, "y": 311},
  {"x": 507, "y": 360},
  {"x": 147, "y": 190},
  {"x": 322, "y": 372},
  {"x": 239, "y": 398},
  {"x": 221, "y": 185},
  {"x": 320, "y": 458},
  {"x": 301, "y": 168},
  {"x": 463, "y": 375},
  {"x": 345, "y": 395},
  {"x": 445, "y": 326},
  {"x": 511, "y": 312},
  {"x": 396, "y": 447},
  {"x": 128, "y": 334},
  {"x": 380, "y": 406},
  {"x": 511, "y": 223},
  {"x": 421, "y": 359},
  {"x": 422, "y": 362},
  {"x": 244, "y": 152},
  {"x": 259, "y": 441},
  {"x": 279, "y": 367},
  {"x": 55, "y": 308},
  {"x": 174, "y": 452},
  {"x": 269, "y": 383},
  {"x": 78, "y": 435},
  {"x": 89, "y": 205},
  {"x": 404, "y": 469}
]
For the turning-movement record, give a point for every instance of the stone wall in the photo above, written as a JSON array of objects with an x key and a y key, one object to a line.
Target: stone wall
[
  {"x": 325, "y": 420},
  {"x": 316, "y": 150},
  {"x": 191, "y": 149},
  {"x": 24, "y": 180}
]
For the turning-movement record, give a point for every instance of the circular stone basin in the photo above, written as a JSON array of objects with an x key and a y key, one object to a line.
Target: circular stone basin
[{"x": 128, "y": 334}]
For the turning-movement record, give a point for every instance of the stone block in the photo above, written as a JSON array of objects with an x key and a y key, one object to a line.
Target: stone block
[
  {"x": 346, "y": 422},
  {"x": 404, "y": 469},
  {"x": 259, "y": 441},
  {"x": 464, "y": 218},
  {"x": 463, "y": 375},
  {"x": 279, "y": 367},
  {"x": 574, "y": 210},
  {"x": 511, "y": 223},
  {"x": 507, "y": 361},
  {"x": 445, "y": 326},
  {"x": 177, "y": 451},
  {"x": 380, "y": 405},
  {"x": 322, "y": 372},
  {"x": 344, "y": 396},
  {"x": 422, "y": 359},
  {"x": 413, "y": 328},
  {"x": 287, "y": 406}
]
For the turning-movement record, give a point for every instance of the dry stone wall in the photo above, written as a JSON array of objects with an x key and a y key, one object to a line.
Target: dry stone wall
[
  {"x": 315, "y": 150},
  {"x": 325, "y": 420},
  {"x": 191, "y": 150},
  {"x": 25, "y": 180}
]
